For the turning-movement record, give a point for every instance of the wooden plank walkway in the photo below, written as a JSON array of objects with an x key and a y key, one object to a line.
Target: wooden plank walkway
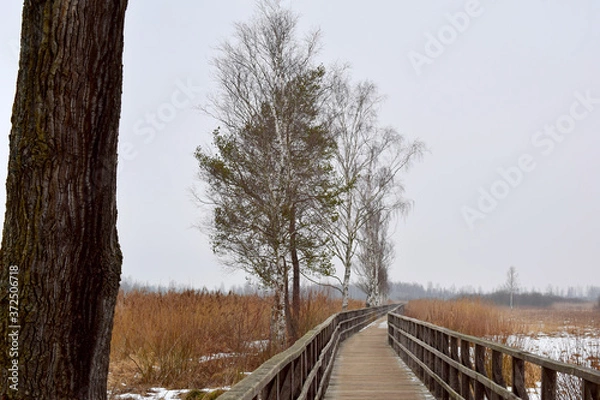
[{"x": 366, "y": 367}]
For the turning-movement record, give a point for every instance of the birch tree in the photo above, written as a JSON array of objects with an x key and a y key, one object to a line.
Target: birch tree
[
  {"x": 362, "y": 147},
  {"x": 270, "y": 178},
  {"x": 60, "y": 257},
  {"x": 512, "y": 284},
  {"x": 375, "y": 256}
]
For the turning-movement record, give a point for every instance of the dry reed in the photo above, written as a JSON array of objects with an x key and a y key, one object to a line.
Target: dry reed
[
  {"x": 469, "y": 316},
  {"x": 197, "y": 339}
]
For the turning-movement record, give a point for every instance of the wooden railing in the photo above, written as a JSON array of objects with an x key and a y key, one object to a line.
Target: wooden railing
[
  {"x": 457, "y": 366},
  {"x": 303, "y": 371}
]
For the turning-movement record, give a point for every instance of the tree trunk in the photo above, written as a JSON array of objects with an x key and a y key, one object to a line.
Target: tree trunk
[
  {"x": 278, "y": 311},
  {"x": 60, "y": 249},
  {"x": 295, "y": 317},
  {"x": 346, "y": 282},
  {"x": 288, "y": 313},
  {"x": 350, "y": 231}
]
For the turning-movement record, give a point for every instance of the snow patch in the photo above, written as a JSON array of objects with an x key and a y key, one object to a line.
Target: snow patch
[
  {"x": 155, "y": 394},
  {"x": 217, "y": 356},
  {"x": 163, "y": 394}
]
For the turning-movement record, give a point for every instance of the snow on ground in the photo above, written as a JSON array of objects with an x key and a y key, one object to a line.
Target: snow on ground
[
  {"x": 533, "y": 393},
  {"x": 154, "y": 394},
  {"x": 368, "y": 326},
  {"x": 382, "y": 325},
  {"x": 161, "y": 394},
  {"x": 575, "y": 349},
  {"x": 257, "y": 345},
  {"x": 165, "y": 394},
  {"x": 217, "y": 356}
]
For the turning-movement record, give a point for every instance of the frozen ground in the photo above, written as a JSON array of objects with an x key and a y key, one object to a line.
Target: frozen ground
[
  {"x": 576, "y": 349},
  {"x": 154, "y": 394},
  {"x": 158, "y": 394},
  {"x": 581, "y": 349}
]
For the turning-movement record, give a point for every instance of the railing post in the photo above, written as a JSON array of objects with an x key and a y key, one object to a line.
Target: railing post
[
  {"x": 435, "y": 343},
  {"x": 313, "y": 359},
  {"x": 590, "y": 390},
  {"x": 453, "y": 380},
  {"x": 422, "y": 355},
  {"x": 413, "y": 347},
  {"x": 303, "y": 367},
  {"x": 391, "y": 331},
  {"x": 284, "y": 383},
  {"x": 518, "y": 378},
  {"x": 548, "y": 384},
  {"x": 427, "y": 333},
  {"x": 444, "y": 347},
  {"x": 480, "y": 368},
  {"x": 465, "y": 381},
  {"x": 497, "y": 368}
]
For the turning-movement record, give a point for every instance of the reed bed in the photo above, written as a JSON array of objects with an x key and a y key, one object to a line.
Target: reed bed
[
  {"x": 197, "y": 339},
  {"x": 469, "y": 316}
]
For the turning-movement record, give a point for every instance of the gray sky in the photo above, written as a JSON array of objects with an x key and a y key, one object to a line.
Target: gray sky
[{"x": 505, "y": 94}]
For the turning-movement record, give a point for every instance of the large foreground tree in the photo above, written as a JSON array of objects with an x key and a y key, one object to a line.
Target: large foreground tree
[{"x": 60, "y": 257}]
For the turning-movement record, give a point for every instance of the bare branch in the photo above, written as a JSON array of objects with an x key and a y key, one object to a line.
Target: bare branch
[{"x": 324, "y": 284}]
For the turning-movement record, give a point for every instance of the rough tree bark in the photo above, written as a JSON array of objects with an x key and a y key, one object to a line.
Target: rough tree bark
[{"x": 60, "y": 248}]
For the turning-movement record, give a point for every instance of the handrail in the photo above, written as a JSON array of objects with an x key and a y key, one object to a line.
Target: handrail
[
  {"x": 458, "y": 366},
  {"x": 303, "y": 370}
]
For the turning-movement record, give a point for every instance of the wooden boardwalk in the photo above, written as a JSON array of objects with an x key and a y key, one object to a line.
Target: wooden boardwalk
[{"x": 366, "y": 367}]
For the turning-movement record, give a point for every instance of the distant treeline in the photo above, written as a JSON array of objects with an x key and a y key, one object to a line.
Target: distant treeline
[
  {"x": 531, "y": 299},
  {"x": 523, "y": 298},
  {"x": 404, "y": 291}
]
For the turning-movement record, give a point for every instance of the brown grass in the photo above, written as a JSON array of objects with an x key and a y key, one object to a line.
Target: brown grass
[
  {"x": 469, "y": 316},
  {"x": 196, "y": 339},
  {"x": 561, "y": 318},
  {"x": 318, "y": 305}
]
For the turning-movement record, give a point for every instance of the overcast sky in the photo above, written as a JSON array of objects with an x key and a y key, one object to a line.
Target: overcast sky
[{"x": 505, "y": 94}]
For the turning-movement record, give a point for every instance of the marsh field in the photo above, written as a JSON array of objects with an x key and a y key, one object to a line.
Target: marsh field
[{"x": 196, "y": 344}]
